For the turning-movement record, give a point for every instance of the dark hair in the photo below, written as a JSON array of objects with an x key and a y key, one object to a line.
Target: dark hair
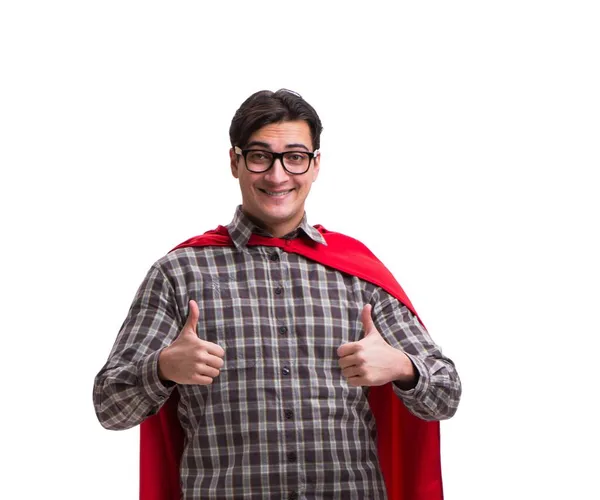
[{"x": 266, "y": 107}]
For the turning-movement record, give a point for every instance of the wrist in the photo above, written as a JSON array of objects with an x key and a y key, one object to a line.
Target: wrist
[
  {"x": 407, "y": 375},
  {"x": 162, "y": 363}
]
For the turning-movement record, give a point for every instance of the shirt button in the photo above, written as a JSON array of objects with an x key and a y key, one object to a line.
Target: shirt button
[
  {"x": 293, "y": 496},
  {"x": 292, "y": 457},
  {"x": 285, "y": 370},
  {"x": 288, "y": 414},
  {"x": 274, "y": 256},
  {"x": 278, "y": 290},
  {"x": 283, "y": 330}
]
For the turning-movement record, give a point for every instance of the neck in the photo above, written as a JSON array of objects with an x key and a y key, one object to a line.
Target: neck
[{"x": 278, "y": 230}]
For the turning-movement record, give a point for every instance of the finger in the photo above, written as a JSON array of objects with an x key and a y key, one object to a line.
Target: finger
[
  {"x": 193, "y": 317},
  {"x": 213, "y": 361},
  {"x": 367, "y": 320},
  {"x": 347, "y": 349},
  {"x": 353, "y": 371},
  {"x": 207, "y": 371},
  {"x": 201, "y": 380},
  {"x": 350, "y": 360},
  {"x": 214, "y": 349}
]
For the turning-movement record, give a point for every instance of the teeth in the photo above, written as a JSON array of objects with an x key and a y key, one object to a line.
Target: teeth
[{"x": 277, "y": 193}]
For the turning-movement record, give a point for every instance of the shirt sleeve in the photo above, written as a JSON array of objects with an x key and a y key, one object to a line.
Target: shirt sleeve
[
  {"x": 128, "y": 389},
  {"x": 438, "y": 390}
]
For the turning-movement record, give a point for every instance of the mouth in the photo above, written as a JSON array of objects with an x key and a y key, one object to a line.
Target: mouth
[{"x": 276, "y": 194}]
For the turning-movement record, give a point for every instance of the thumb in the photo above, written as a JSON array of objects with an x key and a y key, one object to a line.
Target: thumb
[
  {"x": 367, "y": 320},
  {"x": 193, "y": 317}
]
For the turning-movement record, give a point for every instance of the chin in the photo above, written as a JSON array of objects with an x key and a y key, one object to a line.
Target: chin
[
  {"x": 278, "y": 215},
  {"x": 279, "y": 209},
  {"x": 274, "y": 214}
]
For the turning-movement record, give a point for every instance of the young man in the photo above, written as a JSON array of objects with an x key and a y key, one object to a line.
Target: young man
[{"x": 274, "y": 333}]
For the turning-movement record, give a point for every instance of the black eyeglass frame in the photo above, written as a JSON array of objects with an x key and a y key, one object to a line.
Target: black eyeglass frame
[{"x": 244, "y": 153}]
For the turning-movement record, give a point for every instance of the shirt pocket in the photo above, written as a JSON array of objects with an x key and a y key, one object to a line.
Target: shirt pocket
[
  {"x": 241, "y": 342},
  {"x": 229, "y": 316}
]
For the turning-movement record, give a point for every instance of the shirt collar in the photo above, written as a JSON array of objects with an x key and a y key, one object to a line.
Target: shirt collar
[{"x": 241, "y": 228}]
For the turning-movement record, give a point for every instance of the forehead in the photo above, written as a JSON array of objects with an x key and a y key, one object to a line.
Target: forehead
[{"x": 279, "y": 135}]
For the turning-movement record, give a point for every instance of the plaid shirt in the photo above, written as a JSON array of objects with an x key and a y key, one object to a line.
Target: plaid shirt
[{"x": 280, "y": 421}]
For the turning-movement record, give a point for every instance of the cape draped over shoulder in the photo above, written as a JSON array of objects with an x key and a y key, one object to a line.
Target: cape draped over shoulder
[{"x": 408, "y": 447}]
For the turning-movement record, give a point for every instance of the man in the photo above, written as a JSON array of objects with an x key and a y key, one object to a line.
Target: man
[{"x": 274, "y": 338}]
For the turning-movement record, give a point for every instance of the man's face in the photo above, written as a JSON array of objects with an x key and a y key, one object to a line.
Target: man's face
[{"x": 276, "y": 198}]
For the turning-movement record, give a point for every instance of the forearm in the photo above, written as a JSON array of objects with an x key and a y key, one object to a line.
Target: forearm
[
  {"x": 128, "y": 388},
  {"x": 125, "y": 395},
  {"x": 437, "y": 389},
  {"x": 437, "y": 392}
]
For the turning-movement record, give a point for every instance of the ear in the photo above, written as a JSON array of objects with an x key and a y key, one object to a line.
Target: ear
[
  {"x": 316, "y": 166},
  {"x": 233, "y": 163}
]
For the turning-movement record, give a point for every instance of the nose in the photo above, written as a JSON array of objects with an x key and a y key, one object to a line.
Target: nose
[{"x": 277, "y": 174}]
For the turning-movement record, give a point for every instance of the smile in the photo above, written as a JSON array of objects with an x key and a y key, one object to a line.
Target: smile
[{"x": 276, "y": 194}]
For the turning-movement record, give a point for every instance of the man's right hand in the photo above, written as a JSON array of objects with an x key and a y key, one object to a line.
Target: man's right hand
[{"x": 189, "y": 359}]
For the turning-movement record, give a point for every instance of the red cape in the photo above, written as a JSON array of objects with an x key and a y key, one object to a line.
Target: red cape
[{"x": 408, "y": 447}]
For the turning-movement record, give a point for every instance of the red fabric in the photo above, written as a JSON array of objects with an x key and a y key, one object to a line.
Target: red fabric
[{"x": 409, "y": 448}]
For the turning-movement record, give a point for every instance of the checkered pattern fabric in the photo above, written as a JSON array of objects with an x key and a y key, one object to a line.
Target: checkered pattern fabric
[{"x": 280, "y": 421}]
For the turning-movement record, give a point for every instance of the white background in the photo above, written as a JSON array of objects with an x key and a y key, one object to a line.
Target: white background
[{"x": 461, "y": 144}]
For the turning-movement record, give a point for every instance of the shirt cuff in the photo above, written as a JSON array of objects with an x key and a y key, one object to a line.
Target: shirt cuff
[
  {"x": 157, "y": 390},
  {"x": 417, "y": 392}
]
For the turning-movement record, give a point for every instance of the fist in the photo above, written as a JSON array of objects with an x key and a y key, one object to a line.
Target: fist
[
  {"x": 371, "y": 360},
  {"x": 189, "y": 359}
]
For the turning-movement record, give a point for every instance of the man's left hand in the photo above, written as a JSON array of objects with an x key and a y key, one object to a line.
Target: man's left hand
[{"x": 372, "y": 361}]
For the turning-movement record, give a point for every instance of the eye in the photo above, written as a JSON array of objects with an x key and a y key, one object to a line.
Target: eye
[
  {"x": 296, "y": 157},
  {"x": 259, "y": 156}
]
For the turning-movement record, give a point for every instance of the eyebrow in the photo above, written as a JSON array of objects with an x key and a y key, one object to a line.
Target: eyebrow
[{"x": 268, "y": 146}]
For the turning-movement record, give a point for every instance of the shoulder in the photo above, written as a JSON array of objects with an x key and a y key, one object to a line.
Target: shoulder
[
  {"x": 341, "y": 241},
  {"x": 214, "y": 237},
  {"x": 194, "y": 251}
]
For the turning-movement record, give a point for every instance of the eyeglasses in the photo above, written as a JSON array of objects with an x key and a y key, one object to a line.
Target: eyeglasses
[{"x": 294, "y": 162}]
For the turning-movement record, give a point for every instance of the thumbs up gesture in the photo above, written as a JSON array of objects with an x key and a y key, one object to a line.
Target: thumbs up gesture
[
  {"x": 189, "y": 359},
  {"x": 371, "y": 360}
]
